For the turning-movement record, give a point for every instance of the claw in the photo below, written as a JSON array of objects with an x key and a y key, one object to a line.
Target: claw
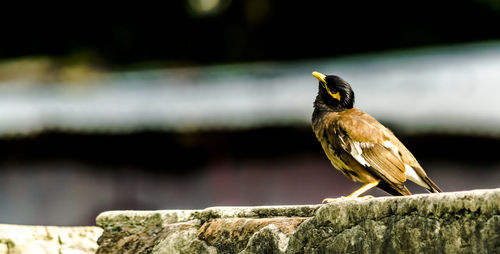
[{"x": 331, "y": 200}]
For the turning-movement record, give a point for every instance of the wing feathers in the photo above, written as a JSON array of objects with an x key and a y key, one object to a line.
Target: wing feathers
[
  {"x": 376, "y": 148},
  {"x": 357, "y": 135},
  {"x": 385, "y": 162},
  {"x": 414, "y": 177}
]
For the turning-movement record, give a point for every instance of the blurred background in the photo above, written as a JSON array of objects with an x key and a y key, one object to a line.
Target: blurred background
[{"x": 197, "y": 103}]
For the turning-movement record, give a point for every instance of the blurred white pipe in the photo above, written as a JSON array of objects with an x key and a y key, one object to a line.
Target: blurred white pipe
[{"x": 444, "y": 89}]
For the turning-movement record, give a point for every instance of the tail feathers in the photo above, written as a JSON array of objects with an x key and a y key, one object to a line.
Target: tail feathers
[
  {"x": 395, "y": 190},
  {"x": 429, "y": 185},
  {"x": 432, "y": 187}
]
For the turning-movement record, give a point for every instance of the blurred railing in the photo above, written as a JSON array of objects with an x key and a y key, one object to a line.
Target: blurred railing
[{"x": 443, "y": 89}]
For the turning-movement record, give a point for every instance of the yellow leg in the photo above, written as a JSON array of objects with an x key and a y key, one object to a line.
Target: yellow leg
[
  {"x": 363, "y": 189},
  {"x": 355, "y": 194}
]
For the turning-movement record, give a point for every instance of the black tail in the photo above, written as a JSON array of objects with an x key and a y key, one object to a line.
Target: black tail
[
  {"x": 433, "y": 188},
  {"x": 399, "y": 190}
]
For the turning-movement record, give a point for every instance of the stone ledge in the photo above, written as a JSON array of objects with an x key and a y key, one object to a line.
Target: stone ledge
[
  {"x": 456, "y": 222},
  {"x": 16, "y": 239}
]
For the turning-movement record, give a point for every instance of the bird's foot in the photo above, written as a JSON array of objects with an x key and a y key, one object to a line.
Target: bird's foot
[{"x": 332, "y": 200}]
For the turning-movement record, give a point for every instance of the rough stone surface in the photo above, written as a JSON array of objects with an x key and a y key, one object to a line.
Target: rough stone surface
[
  {"x": 459, "y": 222},
  {"x": 15, "y": 239},
  {"x": 231, "y": 235}
]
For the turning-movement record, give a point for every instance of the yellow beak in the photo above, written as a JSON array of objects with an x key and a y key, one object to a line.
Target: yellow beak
[{"x": 321, "y": 77}]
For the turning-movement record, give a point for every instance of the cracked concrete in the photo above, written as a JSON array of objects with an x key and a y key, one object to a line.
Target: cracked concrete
[{"x": 459, "y": 222}]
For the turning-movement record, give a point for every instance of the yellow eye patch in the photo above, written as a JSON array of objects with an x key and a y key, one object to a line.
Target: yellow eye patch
[{"x": 334, "y": 95}]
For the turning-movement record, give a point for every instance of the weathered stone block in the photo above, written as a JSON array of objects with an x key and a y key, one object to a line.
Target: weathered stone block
[
  {"x": 459, "y": 222},
  {"x": 17, "y": 239}
]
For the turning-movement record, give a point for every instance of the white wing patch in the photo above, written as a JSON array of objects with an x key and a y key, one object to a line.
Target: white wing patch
[
  {"x": 412, "y": 176},
  {"x": 409, "y": 171},
  {"x": 389, "y": 145},
  {"x": 356, "y": 151}
]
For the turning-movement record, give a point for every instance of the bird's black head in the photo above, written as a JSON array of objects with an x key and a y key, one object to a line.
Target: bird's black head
[{"x": 334, "y": 93}]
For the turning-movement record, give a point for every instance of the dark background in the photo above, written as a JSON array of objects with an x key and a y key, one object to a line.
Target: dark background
[
  {"x": 67, "y": 177},
  {"x": 174, "y": 32}
]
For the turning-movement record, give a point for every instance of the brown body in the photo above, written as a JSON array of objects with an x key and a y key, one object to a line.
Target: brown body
[{"x": 363, "y": 149}]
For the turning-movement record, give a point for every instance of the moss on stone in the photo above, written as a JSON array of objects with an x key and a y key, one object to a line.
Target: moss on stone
[{"x": 460, "y": 222}]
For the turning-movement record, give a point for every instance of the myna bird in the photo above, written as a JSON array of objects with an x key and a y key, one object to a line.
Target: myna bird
[{"x": 359, "y": 146}]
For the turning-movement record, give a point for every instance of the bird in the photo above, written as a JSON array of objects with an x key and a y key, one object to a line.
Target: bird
[{"x": 361, "y": 147}]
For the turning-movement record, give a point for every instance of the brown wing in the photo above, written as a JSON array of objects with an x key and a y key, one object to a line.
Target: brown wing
[
  {"x": 363, "y": 137},
  {"x": 387, "y": 149}
]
